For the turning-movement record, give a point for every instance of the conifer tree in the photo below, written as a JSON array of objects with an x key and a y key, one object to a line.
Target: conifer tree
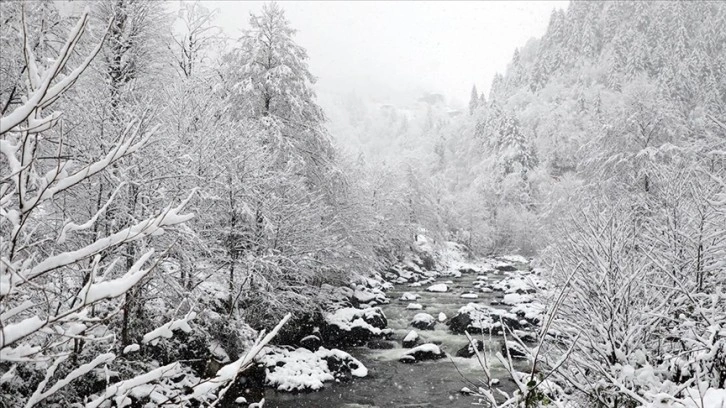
[{"x": 473, "y": 100}]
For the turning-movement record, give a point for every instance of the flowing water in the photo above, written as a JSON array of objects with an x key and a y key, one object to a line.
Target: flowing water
[{"x": 424, "y": 384}]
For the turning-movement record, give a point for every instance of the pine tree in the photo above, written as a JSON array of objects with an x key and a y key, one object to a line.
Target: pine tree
[
  {"x": 473, "y": 100},
  {"x": 508, "y": 143}
]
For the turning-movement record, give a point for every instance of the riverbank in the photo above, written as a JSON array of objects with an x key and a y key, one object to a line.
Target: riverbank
[{"x": 457, "y": 294}]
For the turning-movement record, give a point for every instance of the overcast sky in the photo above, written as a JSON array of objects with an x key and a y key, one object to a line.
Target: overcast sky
[{"x": 382, "y": 50}]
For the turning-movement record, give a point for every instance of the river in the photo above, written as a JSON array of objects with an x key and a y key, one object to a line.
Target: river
[{"x": 424, "y": 384}]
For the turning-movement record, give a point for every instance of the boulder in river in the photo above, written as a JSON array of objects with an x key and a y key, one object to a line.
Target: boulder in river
[
  {"x": 520, "y": 283},
  {"x": 439, "y": 287},
  {"x": 513, "y": 299},
  {"x": 531, "y": 312},
  {"x": 355, "y": 327},
  {"x": 468, "y": 350},
  {"x": 304, "y": 370},
  {"x": 423, "y": 321},
  {"x": 411, "y": 339},
  {"x": 364, "y": 296},
  {"x": 515, "y": 350},
  {"x": 505, "y": 267},
  {"x": 478, "y": 318},
  {"x": 423, "y": 352},
  {"x": 407, "y": 296}
]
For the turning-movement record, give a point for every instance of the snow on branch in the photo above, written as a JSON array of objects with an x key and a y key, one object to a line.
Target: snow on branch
[
  {"x": 228, "y": 373},
  {"x": 168, "y": 217},
  {"x": 119, "y": 390},
  {"x": 71, "y": 226},
  {"x": 39, "y": 395},
  {"x": 63, "y": 182},
  {"x": 167, "y": 329},
  {"x": 42, "y": 92}
]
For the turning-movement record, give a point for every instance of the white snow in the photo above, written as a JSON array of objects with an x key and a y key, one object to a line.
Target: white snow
[
  {"x": 349, "y": 317},
  {"x": 167, "y": 329},
  {"x": 520, "y": 283},
  {"x": 515, "y": 299},
  {"x": 304, "y": 369},
  {"x": 411, "y": 336},
  {"x": 485, "y": 317},
  {"x": 409, "y": 296},
  {"x": 366, "y": 295},
  {"x": 531, "y": 311},
  {"x": 428, "y": 347},
  {"x": 439, "y": 287},
  {"x": 131, "y": 348},
  {"x": 712, "y": 398},
  {"x": 515, "y": 259},
  {"x": 123, "y": 387},
  {"x": 424, "y": 318}
]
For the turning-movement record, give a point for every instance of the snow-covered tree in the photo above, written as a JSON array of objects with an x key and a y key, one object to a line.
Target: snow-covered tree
[
  {"x": 39, "y": 321},
  {"x": 473, "y": 100},
  {"x": 61, "y": 280},
  {"x": 272, "y": 84}
]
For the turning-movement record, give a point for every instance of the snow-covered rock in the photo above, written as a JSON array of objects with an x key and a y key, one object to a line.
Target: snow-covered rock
[
  {"x": 468, "y": 350},
  {"x": 406, "y": 296},
  {"x": 410, "y": 340},
  {"x": 452, "y": 273},
  {"x": 515, "y": 259},
  {"x": 520, "y": 284},
  {"x": 515, "y": 350},
  {"x": 439, "y": 287},
  {"x": 532, "y": 312},
  {"x": 369, "y": 297},
  {"x": 422, "y": 283},
  {"x": 505, "y": 267},
  {"x": 414, "y": 306},
  {"x": 466, "y": 391},
  {"x": 478, "y": 318},
  {"x": 442, "y": 317},
  {"x": 304, "y": 370},
  {"x": 422, "y": 353},
  {"x": 423, "y": 321},
  {"x": 352, "y": 326},
  {"x": 512, "y": 299},
  {"x": 469, "y": 296}
]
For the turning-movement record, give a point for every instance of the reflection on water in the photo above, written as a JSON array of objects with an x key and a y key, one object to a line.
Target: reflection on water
[{"x": 393, "y": 384}]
